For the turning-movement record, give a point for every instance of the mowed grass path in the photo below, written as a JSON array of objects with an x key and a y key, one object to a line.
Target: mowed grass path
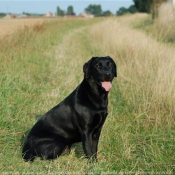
[{"x": 43, "y": 64}]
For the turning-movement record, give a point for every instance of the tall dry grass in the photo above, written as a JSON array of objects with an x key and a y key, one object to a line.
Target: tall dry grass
[
  {"x": 166, "y": 14},
  {"x": 146, "y": 74},
  {"x": 162, "y": 28},
  {"x": 165, "y": 24}
]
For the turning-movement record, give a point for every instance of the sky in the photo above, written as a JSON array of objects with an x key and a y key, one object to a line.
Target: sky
[{"x": 44, "y": 6}]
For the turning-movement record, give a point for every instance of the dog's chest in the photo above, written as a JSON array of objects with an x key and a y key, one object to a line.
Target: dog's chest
[{"x": 98, "y": 119}]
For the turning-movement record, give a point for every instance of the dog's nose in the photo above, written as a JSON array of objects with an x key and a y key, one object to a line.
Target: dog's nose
[{"x": 107, "y": 74}]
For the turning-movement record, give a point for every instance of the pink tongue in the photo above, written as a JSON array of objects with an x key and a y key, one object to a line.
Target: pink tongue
[{"x": 106, "y": 85}]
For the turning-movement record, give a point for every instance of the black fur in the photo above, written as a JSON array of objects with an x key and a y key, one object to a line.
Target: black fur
[{"x": 78, "y": 118}]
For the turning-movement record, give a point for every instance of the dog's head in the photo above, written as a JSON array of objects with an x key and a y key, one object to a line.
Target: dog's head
[{"x": 102, "y": 70}]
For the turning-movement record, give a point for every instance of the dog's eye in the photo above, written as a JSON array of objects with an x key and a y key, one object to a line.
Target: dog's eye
[
  {"x": 110, "y": 65},
  {"x": 99, "y": 66}
]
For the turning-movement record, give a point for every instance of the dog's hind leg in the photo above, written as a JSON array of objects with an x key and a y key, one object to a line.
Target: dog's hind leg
[
  {"x": 50, "y": 148},
  {"x": 53, "y": 150},
  {"x": 28, "y": 156},
  {"x": 46, "y": 148},
  {"x": 27, "y": 153}
]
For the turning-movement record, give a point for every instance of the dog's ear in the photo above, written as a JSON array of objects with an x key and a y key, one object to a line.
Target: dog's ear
[
  {"x": 87, "y": 67},
  {"x": 114, "y": 67}
]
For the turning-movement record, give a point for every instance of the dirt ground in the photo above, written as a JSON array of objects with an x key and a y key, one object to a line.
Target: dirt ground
[{"x": 8, "y": 26}]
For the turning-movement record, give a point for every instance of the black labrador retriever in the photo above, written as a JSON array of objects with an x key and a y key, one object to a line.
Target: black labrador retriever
[{"x": 78, "y": 118}]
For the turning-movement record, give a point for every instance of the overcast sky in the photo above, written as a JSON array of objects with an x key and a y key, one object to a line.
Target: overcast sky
[{"x": 44, "y": 6}]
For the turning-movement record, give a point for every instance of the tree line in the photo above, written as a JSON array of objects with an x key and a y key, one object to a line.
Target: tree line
[
  {"x": 2, "y": 15},
  {"x": 145, "y": 6},
  {"x": 95, "y": 10}
]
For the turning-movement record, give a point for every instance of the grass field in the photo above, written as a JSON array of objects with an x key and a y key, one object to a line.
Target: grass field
[
  {"x": 8, "y": 26},
  {"x": 42, "y": 64}
]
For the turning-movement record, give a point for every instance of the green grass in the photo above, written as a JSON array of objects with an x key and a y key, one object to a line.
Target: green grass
[
  {"x": 28, "y": 75},
  {"x": 43, "y": 64}
]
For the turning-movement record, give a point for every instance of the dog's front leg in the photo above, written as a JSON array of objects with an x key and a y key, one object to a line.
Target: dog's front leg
[
  {"x": 95, "y": 139},
  {"x": 87, "y": 145}
]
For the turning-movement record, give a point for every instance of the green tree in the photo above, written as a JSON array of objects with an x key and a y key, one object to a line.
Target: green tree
[
  {"x": 2, "y": 15},
  {"x": 132, "y": 9},
  {"x": 122, "y": 10},
  {"x": 107, "y": 13},
  {"x": 143, "y": 5},
  {"x": 70, "y": 10},
  {"x": 94, "y": 9},
  {"x": 60, "y": 12}
]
